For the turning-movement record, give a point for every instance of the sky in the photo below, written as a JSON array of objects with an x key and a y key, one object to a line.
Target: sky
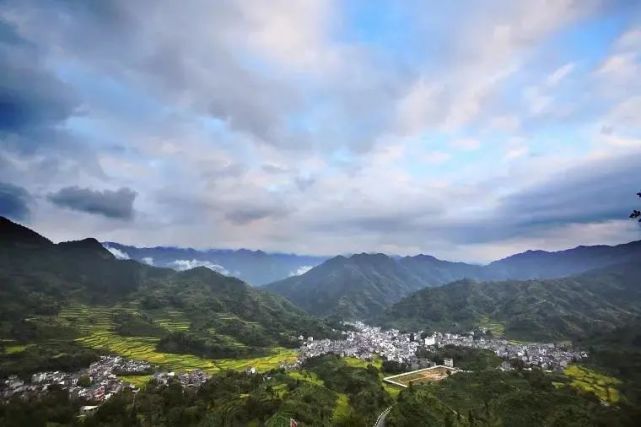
[{"x": 469, "y": 130}]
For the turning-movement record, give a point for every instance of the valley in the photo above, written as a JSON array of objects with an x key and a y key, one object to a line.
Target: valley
[{"x": 96, "y": 334}]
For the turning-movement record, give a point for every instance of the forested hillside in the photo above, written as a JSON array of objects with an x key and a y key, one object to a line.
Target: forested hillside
[
  {"x": 552, "y": 309},
  {"x": 360, "y": 286},
  {"x": 77, "y": 292}
]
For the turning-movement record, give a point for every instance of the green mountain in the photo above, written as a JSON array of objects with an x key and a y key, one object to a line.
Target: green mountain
[
  {"x": 80, "y": 291},
  {"x": 362, "y": 285},
  {"x": 349, "y": 287},
  {"x": 553, "y": 309},
  {"x": 547, "y": 265}
]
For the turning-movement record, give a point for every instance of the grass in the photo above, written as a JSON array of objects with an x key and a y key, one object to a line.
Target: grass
[
  {"x": 590, "y": 381},
  {"x": 308, "y": 376},
  {"x": 15, "y": 348},
  {"x": 139, "y": 381},
  {"x": 342, "y": 408},
  {"x": 355, "y": 362},
  {"x": 392, "y": 390}
]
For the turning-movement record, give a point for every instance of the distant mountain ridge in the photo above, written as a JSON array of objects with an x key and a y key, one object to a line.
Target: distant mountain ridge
[
  {"x": 255, "y": 267},
  {"x": 575, "y": 307},
  {"x": 361, "y": 285}
]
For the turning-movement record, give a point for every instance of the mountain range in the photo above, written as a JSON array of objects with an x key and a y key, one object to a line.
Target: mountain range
[
  {"x": 360, "y": 286},
  {"x": 569, "y": 308},
  {"x": 254, "y": 267},
  {"x": 56, "y": 291}
]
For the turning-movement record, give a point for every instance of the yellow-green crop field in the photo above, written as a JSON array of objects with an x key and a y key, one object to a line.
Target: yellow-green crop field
[
  {"x": 96, "y": 325},
  {"x": 355, "y": 362},
  {"x": 15, "y": 348},
  {"x": 139, "y": 381},
  {"x": 308, "y": 376},
  {"x": 497, "y": 328},
  {"x": 262, "y": 364},
  {"x": 587, "y": 380}
]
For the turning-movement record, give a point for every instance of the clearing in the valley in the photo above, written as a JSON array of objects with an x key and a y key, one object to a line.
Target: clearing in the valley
[{"x": 435, "y": 373}]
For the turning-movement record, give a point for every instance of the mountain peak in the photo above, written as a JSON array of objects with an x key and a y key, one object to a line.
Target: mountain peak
[
  {"x": 13, "y": 234},
  {"x": 88, "y": 245}
]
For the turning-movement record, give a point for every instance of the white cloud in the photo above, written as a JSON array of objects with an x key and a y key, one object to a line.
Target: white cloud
[
  {"x": 148, "y": 260},
  {"x": 301, "y": 270},
  {"x": 185, "y": 264},
  {"x": 559, "y": 74},
  {"x": 117, "y": 252}
]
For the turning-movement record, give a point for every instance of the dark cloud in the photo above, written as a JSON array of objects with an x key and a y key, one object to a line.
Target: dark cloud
[
  {"x": 596, "y": 191},
  {"x": 250, "y": 214},
  {"x": 29, "y": 96},
  {"x": 14, "y": 201},
  {"x": 112, "y": 204}
]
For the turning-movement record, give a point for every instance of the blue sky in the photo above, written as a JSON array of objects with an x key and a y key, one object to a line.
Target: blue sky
[{"x": 468, "y": 130}]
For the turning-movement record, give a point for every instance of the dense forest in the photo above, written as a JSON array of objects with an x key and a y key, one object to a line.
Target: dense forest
[
  {"x": 52, "y": 293},
  {"x": 537, "y": 310}
]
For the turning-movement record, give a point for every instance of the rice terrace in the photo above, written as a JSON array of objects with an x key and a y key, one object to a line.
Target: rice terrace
[{"x": 432, "y": 374}]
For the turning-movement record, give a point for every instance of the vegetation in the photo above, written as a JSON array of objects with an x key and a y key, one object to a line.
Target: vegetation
[
  {"x": 590, "y": 381},
  {"x": 491, "y": 397},
  {"x": 363, "y": 285},
  {"x": 535, "y": 310},
  {"x": 469, "y": 359},
  {"x": 328, "y": 392},
  {"x": 56, "y": 299}
]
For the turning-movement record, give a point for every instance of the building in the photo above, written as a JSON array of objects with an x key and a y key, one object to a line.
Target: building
[{"x": 448, "y": 362}]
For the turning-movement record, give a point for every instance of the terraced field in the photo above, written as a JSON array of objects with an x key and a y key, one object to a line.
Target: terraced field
[
  {"x": 587, "y": 380},
  {"x": 96, "y": 326},
  {"x": 497, "y": 328}
]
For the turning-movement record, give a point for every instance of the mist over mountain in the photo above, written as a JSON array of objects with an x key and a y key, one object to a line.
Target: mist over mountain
[
  {"x": 362, "y": 285},
  {"x": 254, "y": 267}
]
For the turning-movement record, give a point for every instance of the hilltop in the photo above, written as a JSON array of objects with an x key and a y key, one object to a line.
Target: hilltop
[
  {"x": 79, "y": 293},
  {"x": 539, "y": 310},
  {"x": 361, "y": 286}
]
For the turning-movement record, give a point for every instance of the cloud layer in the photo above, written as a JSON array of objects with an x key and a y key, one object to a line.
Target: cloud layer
[
  {"x": 463, "y": 130},
  {"x": 112, "y": 204}
]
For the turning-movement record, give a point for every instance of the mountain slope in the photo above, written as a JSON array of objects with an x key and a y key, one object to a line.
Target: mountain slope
[
  {"x": 255, "y": 267},
  {"x": 363, "y": 284},
  {"x": 360, "y": 286},
  {"x": 219, "y": 315},
  {"x": 552, "y": 309},
  {"x": 546, "y": 265}
]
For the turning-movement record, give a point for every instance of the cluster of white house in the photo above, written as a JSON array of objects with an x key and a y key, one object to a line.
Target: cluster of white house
[{"x": 366, "y": 341}]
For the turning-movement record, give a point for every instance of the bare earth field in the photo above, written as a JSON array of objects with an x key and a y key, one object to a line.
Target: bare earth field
[{"x": 435, "y": 373}]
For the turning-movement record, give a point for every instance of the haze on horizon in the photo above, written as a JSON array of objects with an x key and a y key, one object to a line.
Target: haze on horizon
[{"x": 469, "y": 131}]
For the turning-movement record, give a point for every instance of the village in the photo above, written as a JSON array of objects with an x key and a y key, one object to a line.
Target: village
[
  {"x": 366, "y": 342},
  {"x": 102, "y": 379},
  {"x": 95, "y": 384}
]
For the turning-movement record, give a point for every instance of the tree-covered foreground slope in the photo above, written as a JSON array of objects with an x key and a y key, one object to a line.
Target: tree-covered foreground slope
[
  {"x": 326, "y": 391},
  {"x": 554, "y": 309},
  {"x": 77, "y": 293},
  {"x": 362, "y": 285}
]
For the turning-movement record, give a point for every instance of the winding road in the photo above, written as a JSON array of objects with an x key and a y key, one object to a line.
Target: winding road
[{"x": 380, "y": 421}]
